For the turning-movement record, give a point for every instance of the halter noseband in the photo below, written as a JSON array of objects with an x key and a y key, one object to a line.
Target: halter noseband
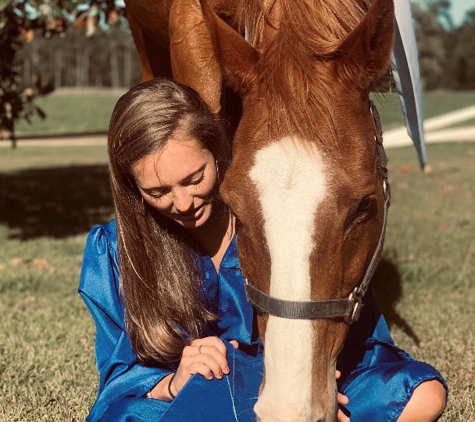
[{"x": 348, "y": 308}]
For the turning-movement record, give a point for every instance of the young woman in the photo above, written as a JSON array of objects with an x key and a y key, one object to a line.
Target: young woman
[{"x": 175, "y": 336}]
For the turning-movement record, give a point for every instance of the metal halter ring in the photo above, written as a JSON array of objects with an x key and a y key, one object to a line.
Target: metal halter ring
[{"x": 356, "y": 297}]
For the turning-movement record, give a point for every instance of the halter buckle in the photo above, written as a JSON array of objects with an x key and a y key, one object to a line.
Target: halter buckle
[{"x": 356, "y": 299}]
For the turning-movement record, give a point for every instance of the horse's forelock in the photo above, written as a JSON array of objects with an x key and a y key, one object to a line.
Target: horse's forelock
[
  {"x": 297, "y": 77},
  {"x": 295, "y": 105},
  {"x": 318, "y": 25}
]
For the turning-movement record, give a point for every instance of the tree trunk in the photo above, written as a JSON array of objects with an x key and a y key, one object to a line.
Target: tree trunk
[
  {"x": 78, "y": 67},
  {"x": 85, "y": 71},
  {"x": 127, "y": 82},
  {"x": 27, "y": 70},
  {"x": 35, "y": 54},
  {"x": 58, "y": 68},
  {"x": 114, "y": 64}
]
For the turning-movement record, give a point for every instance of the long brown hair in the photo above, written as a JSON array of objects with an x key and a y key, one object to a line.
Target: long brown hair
[{"x": 159, "y": 272}]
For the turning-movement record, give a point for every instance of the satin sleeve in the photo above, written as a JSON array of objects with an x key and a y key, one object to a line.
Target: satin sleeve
[{"x": 120, "y": 374}]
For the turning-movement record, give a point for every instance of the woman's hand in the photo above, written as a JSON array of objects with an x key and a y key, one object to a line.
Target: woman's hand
[
  {"x": 205, "y": 356},
  {"x": 342, "y": 400}
]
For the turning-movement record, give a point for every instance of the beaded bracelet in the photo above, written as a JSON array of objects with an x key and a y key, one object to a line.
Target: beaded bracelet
[{"x": 169, "y": 386}]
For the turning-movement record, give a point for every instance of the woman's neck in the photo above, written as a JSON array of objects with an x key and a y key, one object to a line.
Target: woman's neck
[{"x": 216, "y": 234}]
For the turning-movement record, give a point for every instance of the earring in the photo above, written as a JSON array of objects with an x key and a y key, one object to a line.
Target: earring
[
  {"x": 144, "y": 210},
  {"x": 217, "y": 171}
]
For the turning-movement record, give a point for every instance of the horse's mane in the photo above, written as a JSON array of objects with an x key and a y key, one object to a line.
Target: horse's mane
[{"x": 308, "y": 31}]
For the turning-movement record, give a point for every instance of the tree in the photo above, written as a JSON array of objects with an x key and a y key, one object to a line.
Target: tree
[
  {"x": 446, "y": 54},
  {"x": 430, "y": 40},
  {"x": 463, "y": 56},
  {"x": 19, "y": 20}
]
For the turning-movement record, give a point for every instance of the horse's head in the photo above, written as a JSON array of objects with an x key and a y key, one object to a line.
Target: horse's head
[{"x": 305, "y": 182}]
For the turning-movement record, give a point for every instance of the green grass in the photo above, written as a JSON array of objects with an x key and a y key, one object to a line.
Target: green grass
[
  {"x": 50, "y": 197},
  {"x": 72, "y": 111},
  {"x": 47, "y": 206},
  {"x": 434, "y": 104},
  {"x": 46, "y": 339},
  {"x": 45, "y": 157},
  {"x": 88, "y": 111},
  {"x": 426, "y": 282}
]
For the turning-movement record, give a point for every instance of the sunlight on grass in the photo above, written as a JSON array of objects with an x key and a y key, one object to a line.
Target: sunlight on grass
[
  {"x": 46, "y": 335},
  {"x": 46, "y": 157},
  {"x": 72, "y": 111},
  {"x": 431, "y": 237},
  {"x": 425, "y": 282},
  {"x": 434, "y": 104}
]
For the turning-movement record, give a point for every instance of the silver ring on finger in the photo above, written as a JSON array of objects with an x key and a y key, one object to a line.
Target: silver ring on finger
[{"x": 199, "y": 349}]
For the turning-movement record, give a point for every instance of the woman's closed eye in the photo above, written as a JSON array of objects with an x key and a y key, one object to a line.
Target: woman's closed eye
[
  {"x": 197, "y": 179},
  {"x": 194, "y": 181},
  {"x": 158, "y": 194}
]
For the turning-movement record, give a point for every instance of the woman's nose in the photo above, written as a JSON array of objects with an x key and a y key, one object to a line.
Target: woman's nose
[{"x": 183, "y": 200}]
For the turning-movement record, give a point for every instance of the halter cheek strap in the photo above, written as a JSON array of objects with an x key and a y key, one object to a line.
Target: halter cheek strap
[{"x": 348, "y": 308}]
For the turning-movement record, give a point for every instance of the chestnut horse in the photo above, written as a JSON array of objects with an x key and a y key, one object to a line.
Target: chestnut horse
[{"x": 307, "y": 181}]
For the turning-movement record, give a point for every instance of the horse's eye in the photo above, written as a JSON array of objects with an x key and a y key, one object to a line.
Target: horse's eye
[
  {"x": 360, "y": 213},
  {"x": 365, "y": 204},
  {"x": 366, "y": 210}
]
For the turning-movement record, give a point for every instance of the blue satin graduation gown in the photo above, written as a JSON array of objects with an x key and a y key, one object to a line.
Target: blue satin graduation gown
[{"x": 378, "y": 377}]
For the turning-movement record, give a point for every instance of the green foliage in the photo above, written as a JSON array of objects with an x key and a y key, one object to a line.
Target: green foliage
[
  {"x": 462, "y": 58},
  {"x": 18, "y": 20},
  {"x": 430, "y": 36},
  {"x": 446, "y": 54}
]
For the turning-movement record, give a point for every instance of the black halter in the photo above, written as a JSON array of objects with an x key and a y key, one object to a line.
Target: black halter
[{"x": 348, "y": 308}]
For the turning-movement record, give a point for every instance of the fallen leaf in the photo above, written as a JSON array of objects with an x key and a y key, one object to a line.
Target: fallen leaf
[
  {"x": 443, "y": 226},
  {"x": 448, "y": 189},
  {"x": 406, "y": 168},
  {"x": 40, "y": 263},
  {"x": 428, "y": 169}
]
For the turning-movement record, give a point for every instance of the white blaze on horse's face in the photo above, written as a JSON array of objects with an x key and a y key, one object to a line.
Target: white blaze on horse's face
[{"x": 290, "y": 177}]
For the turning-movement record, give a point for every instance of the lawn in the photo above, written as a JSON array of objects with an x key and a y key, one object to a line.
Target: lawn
[
  {"x": 73, "y": 111},
  {"x": 50, "y": 197},
  {"x": 434, "y": 104}
]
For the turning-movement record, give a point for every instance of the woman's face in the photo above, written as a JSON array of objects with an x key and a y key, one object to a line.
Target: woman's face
[{"x": 179, "y": 180}]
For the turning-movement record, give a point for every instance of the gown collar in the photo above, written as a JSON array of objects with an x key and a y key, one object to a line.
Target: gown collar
[{"x": 230, "y": 258}]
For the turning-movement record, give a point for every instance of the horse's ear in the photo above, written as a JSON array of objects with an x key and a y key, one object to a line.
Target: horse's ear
[
  {"x": 193, "y": 60},
  {"x": 365, "y": 53},
  {"x": 235, "y": 55}
]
